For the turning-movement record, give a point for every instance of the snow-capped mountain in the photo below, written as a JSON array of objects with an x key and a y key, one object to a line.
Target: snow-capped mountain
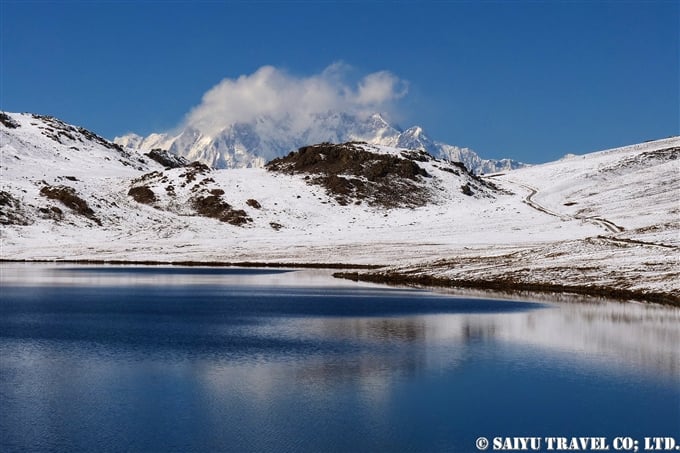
[
  {"x": 415, "y": 138},
  {"x": 604, "y": 223},
  {"x": 48, "y": 165},
  {"x": 253, "y": 144}
]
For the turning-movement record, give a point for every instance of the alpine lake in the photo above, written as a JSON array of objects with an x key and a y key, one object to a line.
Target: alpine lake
[{"x": 198, "y": 359}]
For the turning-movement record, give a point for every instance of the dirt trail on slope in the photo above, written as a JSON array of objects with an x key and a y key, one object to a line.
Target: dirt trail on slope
[{"x": 608, "y": 225}]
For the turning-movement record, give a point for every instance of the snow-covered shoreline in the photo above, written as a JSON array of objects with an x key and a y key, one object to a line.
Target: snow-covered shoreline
[{"x": 517, "y": 270}]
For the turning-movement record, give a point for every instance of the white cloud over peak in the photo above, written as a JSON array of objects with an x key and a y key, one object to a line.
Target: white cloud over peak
[
  {"x": 273, "y": 93},
  {"x": 379, "y": 87}
]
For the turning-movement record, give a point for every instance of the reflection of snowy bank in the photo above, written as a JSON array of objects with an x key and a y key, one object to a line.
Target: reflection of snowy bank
[
  {"x": 60, "y": 274},
  {"x": 641, "y": 337},
  {"x": 631, "y": 338}
]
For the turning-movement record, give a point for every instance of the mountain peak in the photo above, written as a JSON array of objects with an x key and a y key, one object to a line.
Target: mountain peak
[
  {"x": 414, "y": 131},
  {"x": 255, "y": 143},
  {"x": 378, "y": 118}
]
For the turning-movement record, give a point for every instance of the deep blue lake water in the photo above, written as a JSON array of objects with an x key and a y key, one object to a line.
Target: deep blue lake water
[{"x": 238, "y": 360}]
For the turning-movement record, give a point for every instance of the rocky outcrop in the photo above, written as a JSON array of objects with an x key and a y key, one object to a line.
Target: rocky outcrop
[{"x": 351, "y": 174}]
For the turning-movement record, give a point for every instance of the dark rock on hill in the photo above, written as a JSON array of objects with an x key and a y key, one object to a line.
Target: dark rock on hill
[
  {"x": 213, "y": 206},
  {"x": 69, "y": 198},
  {"x": 7, "y": 121},
  {"x": 166, "y": 159},
  {"x": 11, "y": 211},
  {"x": 350, "y": 173}
]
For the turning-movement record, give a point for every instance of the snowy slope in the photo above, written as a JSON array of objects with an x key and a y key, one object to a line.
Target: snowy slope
[
  {"x": 634, "y": 188},
  {"x": 253, "y": 144},
  {"x": 632, "y": 194},
  {"x": 102, "y": 174},
  {"x": 605, "y": 220},
  {"x": 41, "y": 153}
]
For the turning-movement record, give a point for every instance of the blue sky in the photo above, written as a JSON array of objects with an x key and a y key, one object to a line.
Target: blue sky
[{"x": 527, "y": 80}]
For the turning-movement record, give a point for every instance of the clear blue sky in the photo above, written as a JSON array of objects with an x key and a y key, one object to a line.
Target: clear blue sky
[{"x": 528, "y": 80}]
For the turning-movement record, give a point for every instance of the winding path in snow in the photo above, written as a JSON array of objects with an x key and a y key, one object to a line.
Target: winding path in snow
[{"x": 608, "y": 225}]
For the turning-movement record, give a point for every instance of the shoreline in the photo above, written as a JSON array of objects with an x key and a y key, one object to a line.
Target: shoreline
[
  {"x": 512, "y": 286},
  {"x": 395, "y": 279}
]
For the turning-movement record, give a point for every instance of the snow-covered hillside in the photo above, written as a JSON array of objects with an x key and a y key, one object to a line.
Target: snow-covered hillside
[
  {"x": 631, "y": 194},
  {"x": 253, "y": 144},
  {"x": 124, "y": 187},
  {"x": 602, "y": 221}
]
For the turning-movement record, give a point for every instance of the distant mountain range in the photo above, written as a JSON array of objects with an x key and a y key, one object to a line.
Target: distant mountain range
[{"x": 253, "y": 144}]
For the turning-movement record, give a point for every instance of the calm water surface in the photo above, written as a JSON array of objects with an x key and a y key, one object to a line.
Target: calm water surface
[{"x": 196, "y": 359}]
